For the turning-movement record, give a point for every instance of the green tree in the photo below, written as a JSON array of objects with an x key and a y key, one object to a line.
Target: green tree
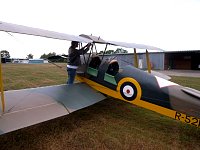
[
  {"x": 45, "y": 56},
  {"x": 29, "y": 56},
  {"x": 109, "y": 52},
  {"x": 120, "y": 50},
  {"x": 5, "y": 54},
  {"x": 101, "y": 52}
]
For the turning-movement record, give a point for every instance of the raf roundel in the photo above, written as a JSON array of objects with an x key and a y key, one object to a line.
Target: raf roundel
[{"x": 128, "y": 91}]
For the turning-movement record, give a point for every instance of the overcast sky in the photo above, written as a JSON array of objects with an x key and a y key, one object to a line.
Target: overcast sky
[{"x": 168, "y": 24}]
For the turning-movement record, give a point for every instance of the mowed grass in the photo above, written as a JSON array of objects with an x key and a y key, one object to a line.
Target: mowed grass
[
  {"x": 187, "y": 81},
  {"x": 20, "y": 76},
  {"x": 109, "y": 124}
]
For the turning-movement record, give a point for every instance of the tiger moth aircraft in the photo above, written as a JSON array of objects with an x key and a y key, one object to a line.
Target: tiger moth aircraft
[{"x": 98, "y": 77}]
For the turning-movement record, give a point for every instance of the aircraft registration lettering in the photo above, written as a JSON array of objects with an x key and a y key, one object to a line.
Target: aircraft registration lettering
[{"x": 187, "y": 119}]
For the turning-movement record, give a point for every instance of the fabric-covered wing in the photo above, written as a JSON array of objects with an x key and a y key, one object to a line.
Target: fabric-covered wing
[
  {"x": 134, "y": 45},
  {"x": 8, "y": 27},
  {"x": 94, "y": 38},
  {"x": 122, "y": 44},
  {"x": 31, "y": 106}
]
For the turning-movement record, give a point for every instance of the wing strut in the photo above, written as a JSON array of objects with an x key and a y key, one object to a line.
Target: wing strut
[
  {"x": 104, "y": 51},
  {"x": 1, "y": 87},
  {"x": 148, "y": 61},
  {"x": 135, "y": 58}
]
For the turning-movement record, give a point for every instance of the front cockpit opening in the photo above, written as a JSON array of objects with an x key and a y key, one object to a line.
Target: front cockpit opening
[
  {"x": 95, "y": 62},
  {"x": 94, "y": 66}
]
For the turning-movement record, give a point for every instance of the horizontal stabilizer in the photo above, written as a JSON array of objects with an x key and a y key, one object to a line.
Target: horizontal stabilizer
[
  {"x": 161, "y": 75},
  {"x": 191, "y": 92},
  {"x": 31, "y": 106}
]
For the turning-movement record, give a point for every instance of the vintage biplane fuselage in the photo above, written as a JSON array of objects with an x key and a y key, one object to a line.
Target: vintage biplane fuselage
[
  {"x": 141, "y": 88},
  {"x": 22, "y": 108}
]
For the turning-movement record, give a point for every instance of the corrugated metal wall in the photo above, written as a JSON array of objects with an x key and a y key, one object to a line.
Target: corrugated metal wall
[{"x": 156, "y": 59}]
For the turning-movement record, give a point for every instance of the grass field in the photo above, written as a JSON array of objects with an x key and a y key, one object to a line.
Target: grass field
[{"x": 109, "y": 124}]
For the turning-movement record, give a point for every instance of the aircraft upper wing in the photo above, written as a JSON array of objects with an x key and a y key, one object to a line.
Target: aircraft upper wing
[
  {"x": 27, "y": 107},
  {"x": 94, "y": 38},
  {"x": 14, "y": 28},
  {"x": 122, "y": 44},
  {"x": 134, "y": 45}
]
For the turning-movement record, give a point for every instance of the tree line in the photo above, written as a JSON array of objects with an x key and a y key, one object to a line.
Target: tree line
[
  {"x": 117, "y": 51},
  {"x": 6, "y": 54}
]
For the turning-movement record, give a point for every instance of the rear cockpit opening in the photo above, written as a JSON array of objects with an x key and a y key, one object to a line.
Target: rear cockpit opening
[{"x": 113, "y": 68}]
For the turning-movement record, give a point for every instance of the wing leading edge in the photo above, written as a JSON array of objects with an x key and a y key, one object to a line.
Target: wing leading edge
[
  {"x": 14, "y": 28},
  {"x": 31, "y": 106}
]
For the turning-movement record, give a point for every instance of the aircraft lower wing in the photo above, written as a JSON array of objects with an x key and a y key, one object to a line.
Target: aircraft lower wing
[{"x": 31, "y": 106}]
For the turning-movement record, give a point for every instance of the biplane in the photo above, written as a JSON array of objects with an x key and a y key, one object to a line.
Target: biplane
[{"x": 98, "y": 77}]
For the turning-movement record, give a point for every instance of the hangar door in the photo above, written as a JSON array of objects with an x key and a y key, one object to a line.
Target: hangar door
[{"x": 187, "y": 60}]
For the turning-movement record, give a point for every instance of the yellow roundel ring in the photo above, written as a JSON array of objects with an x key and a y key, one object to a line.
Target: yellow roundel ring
[{"x": 129, "y": 89}]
